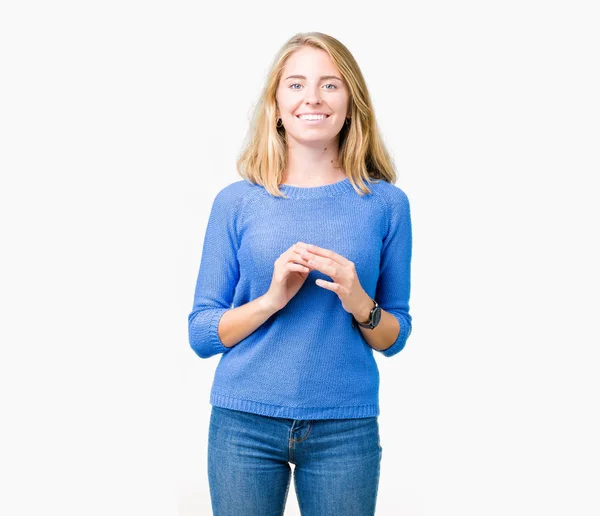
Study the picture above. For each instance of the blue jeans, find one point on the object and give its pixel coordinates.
(336, 464)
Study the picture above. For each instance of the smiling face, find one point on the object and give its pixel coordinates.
(312, 97)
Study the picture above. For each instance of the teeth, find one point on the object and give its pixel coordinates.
(312, 117)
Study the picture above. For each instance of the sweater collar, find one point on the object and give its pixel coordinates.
(316, 192)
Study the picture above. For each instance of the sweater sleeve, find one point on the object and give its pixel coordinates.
(393, 285)
(217, 277)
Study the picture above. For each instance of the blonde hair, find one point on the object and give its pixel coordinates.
(362, 153)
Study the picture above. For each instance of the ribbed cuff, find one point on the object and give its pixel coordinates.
(398, 345)
(215, 341)
(203, 334)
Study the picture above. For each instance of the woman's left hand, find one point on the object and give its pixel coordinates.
(343, 272)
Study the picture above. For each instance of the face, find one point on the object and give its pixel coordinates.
(312, 84)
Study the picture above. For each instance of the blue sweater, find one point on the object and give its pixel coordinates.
(306, 361)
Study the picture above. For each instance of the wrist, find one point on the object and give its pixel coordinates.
(363, 315)
(267, 307)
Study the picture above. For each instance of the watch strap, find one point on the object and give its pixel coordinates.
(369, 323)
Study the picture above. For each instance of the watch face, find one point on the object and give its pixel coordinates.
(376, 316)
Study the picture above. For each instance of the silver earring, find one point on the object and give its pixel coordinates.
(278, 123)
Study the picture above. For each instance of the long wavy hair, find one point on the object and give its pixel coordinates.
(362, 154)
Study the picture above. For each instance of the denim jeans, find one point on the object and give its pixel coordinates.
(336, 464)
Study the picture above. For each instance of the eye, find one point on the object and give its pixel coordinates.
(294, 84)
(334, 86)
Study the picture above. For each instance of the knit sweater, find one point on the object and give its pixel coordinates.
(306, 361)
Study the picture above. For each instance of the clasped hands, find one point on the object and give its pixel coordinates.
(292, 269)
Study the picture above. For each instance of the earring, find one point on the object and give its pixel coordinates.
(278, 123)
(348, 120)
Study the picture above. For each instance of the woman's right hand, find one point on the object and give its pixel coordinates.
(288, 277)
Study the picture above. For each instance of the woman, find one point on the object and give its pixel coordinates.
(305, 271)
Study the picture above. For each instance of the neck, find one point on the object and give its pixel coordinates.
(312, 165)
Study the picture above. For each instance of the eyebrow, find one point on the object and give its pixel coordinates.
(322, 78)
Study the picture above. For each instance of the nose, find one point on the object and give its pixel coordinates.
(313, 96)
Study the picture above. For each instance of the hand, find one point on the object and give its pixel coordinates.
(288, 277)
(343, 272)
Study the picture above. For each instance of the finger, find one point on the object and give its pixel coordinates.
(296, 267)
(324, 265)
(328, 253)
(296, 257)
(317, 263)
(327, 284)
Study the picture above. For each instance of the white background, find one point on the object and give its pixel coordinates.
(120, 121)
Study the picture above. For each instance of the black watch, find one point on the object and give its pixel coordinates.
(374, 318)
